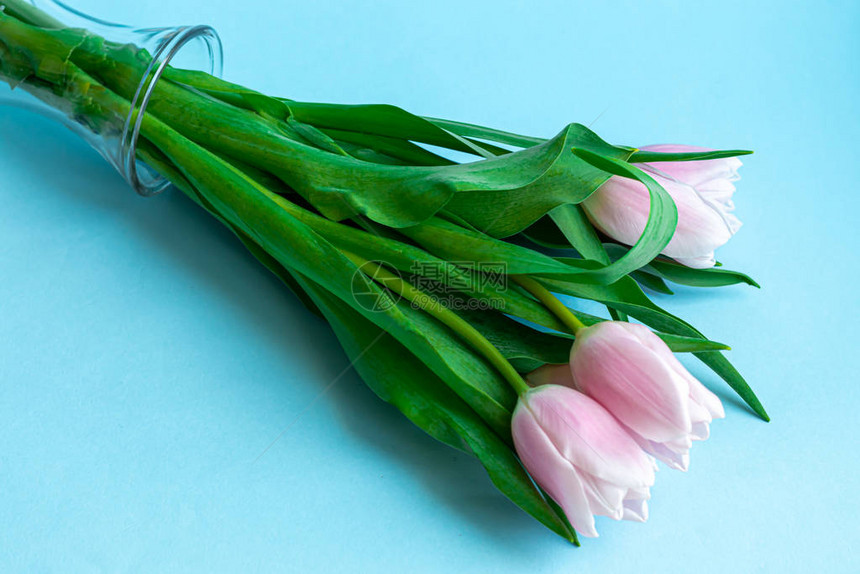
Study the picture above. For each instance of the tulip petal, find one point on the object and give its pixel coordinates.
(635, 509)
(701, 431)
(678, 460)
(696, 172)
(552, 471)
(704, 405)
(702, 225)
(611, 365)
(703, 396)
(605, 499)
(701, 262)
(698, 413)
(589, 436)
(619, 208)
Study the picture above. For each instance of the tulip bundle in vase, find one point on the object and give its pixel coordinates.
(441, 279)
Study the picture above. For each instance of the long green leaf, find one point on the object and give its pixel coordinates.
(581, 235)
(654, 156)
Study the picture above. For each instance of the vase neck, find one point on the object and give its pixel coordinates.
(116, 136)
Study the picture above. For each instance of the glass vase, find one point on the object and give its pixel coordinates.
(188, 47)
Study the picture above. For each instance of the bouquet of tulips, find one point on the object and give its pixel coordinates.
(448, 283)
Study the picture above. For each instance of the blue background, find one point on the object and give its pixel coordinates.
(167, 406)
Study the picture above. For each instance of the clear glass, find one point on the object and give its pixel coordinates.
(187, 47)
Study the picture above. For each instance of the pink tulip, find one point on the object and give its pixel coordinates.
(702, 191)
(633, 374)
(582, 457)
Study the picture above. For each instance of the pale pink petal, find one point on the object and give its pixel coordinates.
(701, 431)
(632, 381)
(587, 435)
(700, 396)
(698, 413)
(552, 471)
(604, 498)
(633, 374)
(676, 459)
(702, 227)
(720, 190)
(695, 172)
(705, 261)
(619, 208)
(635, 509)
(638, 494)
(636, 505)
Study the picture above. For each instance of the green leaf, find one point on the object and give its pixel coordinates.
(314, 136)
(713, 277)
(410, 259)
(405, 151)
(507, 194)
(521, 187)
(491, 134)
(654, 156)
(452, 242)
(382, 120)
(571, 221)
(579, 232)
(721, 365)
(683, 275)
(681, 344)
(652, 282)
(490, 148)
(455, 243)
(227, 92)
(545, 233)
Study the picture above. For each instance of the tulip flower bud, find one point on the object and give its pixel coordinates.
(634, 375)
(702, 191)
(582, 456)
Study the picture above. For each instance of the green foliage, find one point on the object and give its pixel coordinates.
(311, 189)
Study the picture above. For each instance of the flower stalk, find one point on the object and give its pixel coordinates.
(551, 302)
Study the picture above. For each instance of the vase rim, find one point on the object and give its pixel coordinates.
(172, 42)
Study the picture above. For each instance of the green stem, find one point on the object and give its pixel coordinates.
(456, 323)
(552, 303)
